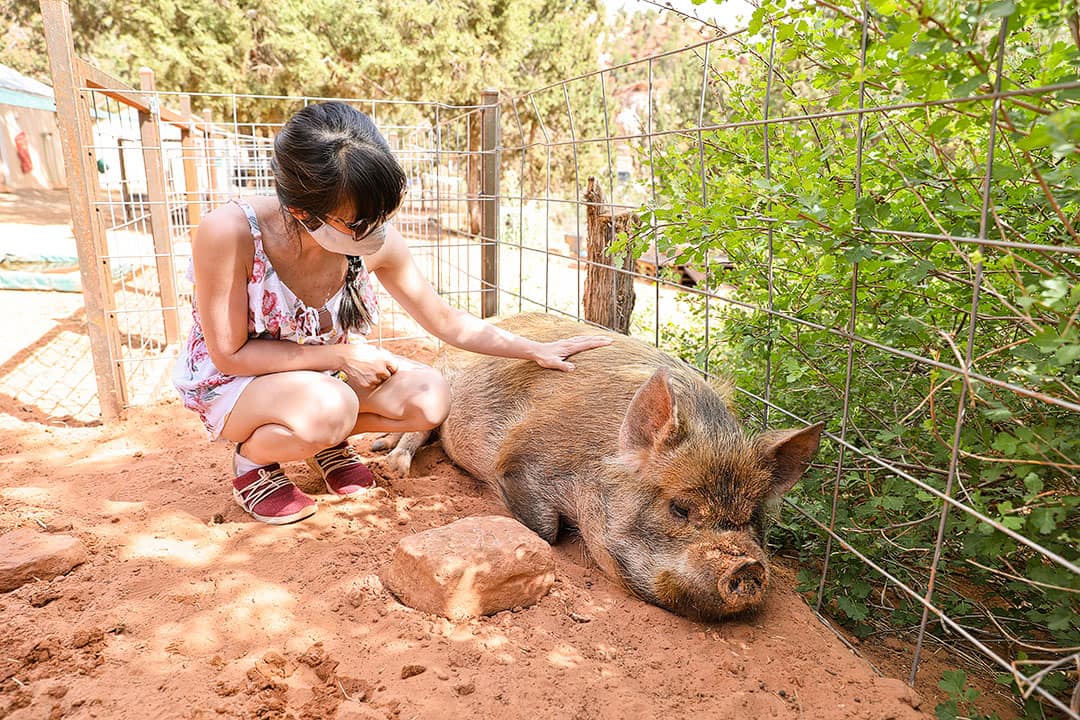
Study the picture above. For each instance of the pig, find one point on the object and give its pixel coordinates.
(635, 450)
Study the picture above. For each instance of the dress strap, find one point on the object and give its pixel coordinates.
(252, 218)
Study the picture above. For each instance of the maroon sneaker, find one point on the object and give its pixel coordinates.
(268, 495)
(344, 473)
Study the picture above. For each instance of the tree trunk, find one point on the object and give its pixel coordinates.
(609, 294)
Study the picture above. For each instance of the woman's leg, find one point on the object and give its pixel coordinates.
(291, 415)
(416, 397)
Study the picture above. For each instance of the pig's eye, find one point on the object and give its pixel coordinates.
(679, 511)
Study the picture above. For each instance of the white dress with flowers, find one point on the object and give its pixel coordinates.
(274, 312)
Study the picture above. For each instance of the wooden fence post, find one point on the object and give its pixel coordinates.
(211, 168)
(157, 196)
(77, 140)
(192, 191)
(609, 293)
(489, 198)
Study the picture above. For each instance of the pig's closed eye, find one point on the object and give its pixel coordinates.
(679, 511)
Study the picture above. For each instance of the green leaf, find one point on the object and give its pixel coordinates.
(946, 711)
(855, 611)
(970, 86)
(1034, 484)
(953, 682)
(1000, 9)
(1044, 520)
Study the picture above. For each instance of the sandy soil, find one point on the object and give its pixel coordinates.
(189, 609)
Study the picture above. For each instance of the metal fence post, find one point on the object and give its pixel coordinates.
(489, 197)
(157, 198)
(77, 141)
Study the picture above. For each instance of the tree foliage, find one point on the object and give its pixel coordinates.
(446, 51)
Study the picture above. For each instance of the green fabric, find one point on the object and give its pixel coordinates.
(60, 274)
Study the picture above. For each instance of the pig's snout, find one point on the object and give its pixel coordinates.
(744, 584)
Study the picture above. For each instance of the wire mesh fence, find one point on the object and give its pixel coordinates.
(156, 172)
(894, 255)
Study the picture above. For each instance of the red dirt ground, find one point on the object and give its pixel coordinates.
(190, 609)
(187, 608)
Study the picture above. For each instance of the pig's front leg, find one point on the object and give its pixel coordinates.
(523, 494)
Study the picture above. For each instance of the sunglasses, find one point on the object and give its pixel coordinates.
(360, 228)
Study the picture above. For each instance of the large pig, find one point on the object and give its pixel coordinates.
(635, 450)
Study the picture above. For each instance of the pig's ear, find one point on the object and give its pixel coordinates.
(788, 454)
(650, 419)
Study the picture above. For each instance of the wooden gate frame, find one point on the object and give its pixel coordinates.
(72, 79)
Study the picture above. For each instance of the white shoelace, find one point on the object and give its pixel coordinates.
(266, 485)
(333, 459)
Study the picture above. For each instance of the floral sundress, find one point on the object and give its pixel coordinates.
(274, 312)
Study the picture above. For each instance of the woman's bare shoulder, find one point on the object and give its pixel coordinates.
(224, 228)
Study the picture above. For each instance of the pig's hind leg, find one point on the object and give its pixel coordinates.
(386, 442)
(401, 457)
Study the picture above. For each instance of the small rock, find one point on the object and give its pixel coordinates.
(412, 671)
(354, 689)
(469, 568)
(44, 597)
(465, 689)
(27, 555)
(43, 651)
(82, 638)
(578, 618)
(894, 643)
(901, 691)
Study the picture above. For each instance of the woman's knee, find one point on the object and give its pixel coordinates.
(425, 398)
(329, 413)
(432, 403)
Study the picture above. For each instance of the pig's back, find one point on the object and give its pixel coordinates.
(500, 406)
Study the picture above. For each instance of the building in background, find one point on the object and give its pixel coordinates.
(30, 154)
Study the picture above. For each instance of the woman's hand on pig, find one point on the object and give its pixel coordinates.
(553, 355)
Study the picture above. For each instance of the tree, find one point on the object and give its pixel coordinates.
(384, 49)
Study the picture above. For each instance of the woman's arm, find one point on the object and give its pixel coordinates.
(223, 254)
(398, 273)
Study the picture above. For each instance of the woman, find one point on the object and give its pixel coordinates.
(280, 282)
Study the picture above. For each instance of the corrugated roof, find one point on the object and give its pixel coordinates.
(11, 79)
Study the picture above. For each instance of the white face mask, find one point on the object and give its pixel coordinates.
(336, 241)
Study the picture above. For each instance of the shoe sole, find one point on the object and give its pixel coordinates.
(334, 493)
(304, 512)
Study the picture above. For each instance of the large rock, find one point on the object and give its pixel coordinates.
(475, 566)
(27, 555)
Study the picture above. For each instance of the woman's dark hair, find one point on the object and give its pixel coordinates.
(331, 154)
